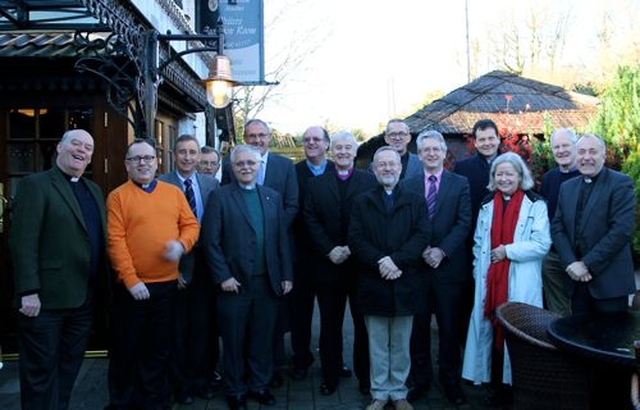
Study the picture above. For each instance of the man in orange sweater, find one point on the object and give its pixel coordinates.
(150, 225)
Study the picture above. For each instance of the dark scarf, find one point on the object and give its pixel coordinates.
(503, 227)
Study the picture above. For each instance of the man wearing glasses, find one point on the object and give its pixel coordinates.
(276, 172)
(209, 161)
(150, 226)
(397, 136)
(245, 241)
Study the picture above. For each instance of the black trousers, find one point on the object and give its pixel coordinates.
(141, 347)
(247, 323)
(443, 299)
(52, 347)
(583, 302)
(301, 303)
(332, 299)
(196, 349)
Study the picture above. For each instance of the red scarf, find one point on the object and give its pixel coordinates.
(503, 227)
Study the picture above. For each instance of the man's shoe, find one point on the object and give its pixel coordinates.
(237, 402)
(364, 386)
(402, 404)
(298, 373)
(205, 393)
(376, 405)
(415, 393)
(345, 372)
(215, 380)
(263, 397)
(327, 389)
(183, 397)
(276, 380)
(455, 396)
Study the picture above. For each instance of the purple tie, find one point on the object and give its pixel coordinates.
(431, 195)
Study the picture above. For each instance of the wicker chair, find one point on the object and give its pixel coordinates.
(542, 376)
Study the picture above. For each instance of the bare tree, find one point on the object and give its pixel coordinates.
(282, 64)
(532, 41)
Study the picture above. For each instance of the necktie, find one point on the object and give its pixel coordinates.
(261, 173)
(188, 192)
(431, 195)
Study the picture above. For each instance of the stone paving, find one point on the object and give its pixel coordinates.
(91, 387)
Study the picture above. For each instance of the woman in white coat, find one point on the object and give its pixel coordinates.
(511, 239)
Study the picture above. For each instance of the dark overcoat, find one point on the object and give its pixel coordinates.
(400, 232)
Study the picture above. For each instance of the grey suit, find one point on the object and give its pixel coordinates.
(206, 184)
(606, 231)
(196, 348)
(247, 319)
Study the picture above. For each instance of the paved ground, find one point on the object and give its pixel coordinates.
(91, 389)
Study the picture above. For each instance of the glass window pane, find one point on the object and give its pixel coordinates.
(81, 118)
(52, 122)
(21, 157)
(22, 123)
(47, 154)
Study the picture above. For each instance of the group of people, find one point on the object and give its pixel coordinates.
(245, 262)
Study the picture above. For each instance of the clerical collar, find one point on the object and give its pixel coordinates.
(589, 180)
(344, 174)
(247, 187)
(147, 187)
(568, 170)
(70, 178)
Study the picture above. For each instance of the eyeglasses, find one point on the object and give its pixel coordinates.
(435, 150)
(260, 136)
(307, 141)
(242, 164)
(209, 163)
(399, 135)
(147, 159)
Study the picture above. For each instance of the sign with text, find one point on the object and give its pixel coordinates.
(244, 35)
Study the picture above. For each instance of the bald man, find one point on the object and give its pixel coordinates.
(57, 243)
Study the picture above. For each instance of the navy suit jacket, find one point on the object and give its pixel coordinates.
(607, 230)
(228, 238)
(206, 184)
(476, 169)
(450, 225)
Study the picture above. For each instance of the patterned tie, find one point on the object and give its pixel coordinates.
(261, 173)
(431, 195)
(188, 192)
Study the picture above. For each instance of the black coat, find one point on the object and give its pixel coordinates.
(476, 169)
(323, 215)
(303, 242)
(607, 230)
(401, 233)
